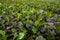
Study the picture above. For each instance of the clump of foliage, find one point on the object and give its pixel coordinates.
(29, 20)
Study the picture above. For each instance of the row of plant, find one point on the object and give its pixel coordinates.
(29, 20)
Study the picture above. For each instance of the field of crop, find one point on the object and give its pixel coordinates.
(29, 19)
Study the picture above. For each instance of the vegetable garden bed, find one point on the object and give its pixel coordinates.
(29, 20)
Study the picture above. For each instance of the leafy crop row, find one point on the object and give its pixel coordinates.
(27, 20)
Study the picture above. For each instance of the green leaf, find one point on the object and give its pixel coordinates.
(58, 19)
(37, 22)
(4, 37)
(58, 28)
(2, 32)
(0, 3)
(44, 38)
(21, 36)
(34, 30)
